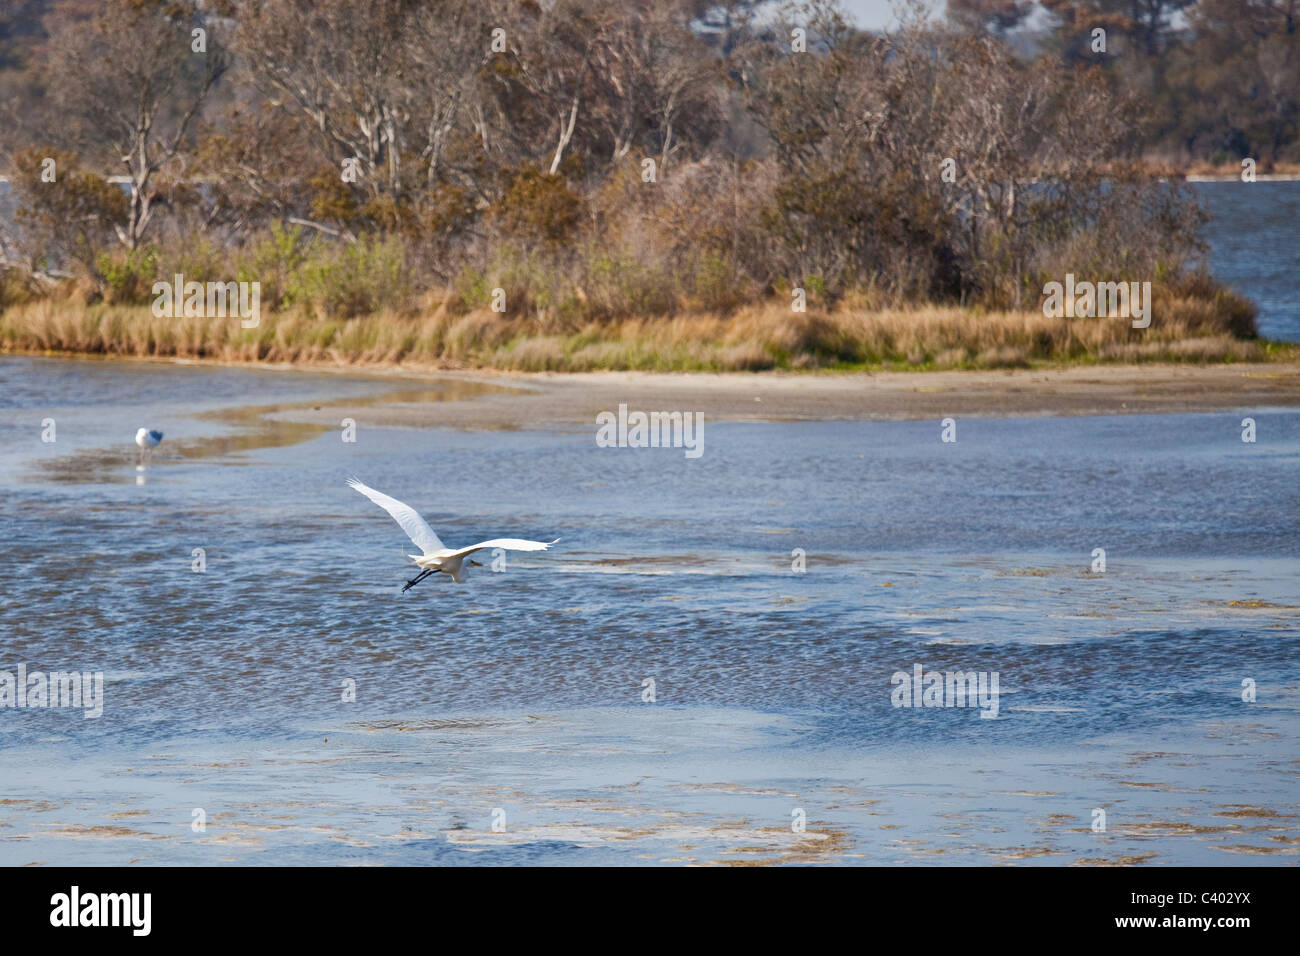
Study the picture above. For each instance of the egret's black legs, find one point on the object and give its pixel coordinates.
(417, 579)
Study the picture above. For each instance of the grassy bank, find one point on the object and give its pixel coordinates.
(751, 339)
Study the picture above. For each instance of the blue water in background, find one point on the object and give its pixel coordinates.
(1254, 237)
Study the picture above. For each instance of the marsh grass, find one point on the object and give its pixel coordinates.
(1186, 327)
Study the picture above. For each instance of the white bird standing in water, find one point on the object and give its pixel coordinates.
(436, 555)
(148, 440)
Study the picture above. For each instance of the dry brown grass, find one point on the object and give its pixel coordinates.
(1170, 165)
(1232, 170)
(754, 338)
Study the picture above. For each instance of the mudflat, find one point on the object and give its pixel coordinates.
(532, 400)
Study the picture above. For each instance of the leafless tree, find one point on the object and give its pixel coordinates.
(129, 83)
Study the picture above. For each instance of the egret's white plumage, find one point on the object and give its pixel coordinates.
(435, 555)
(416, 528)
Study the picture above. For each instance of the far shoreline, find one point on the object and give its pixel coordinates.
(532, 400)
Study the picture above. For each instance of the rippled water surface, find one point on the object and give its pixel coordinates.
(520, 693)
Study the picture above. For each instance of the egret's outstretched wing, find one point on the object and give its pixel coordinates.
(416, 528)
(510, 544)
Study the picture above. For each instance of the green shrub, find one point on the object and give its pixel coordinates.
(129, 275)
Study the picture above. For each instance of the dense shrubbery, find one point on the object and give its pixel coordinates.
(598, 162)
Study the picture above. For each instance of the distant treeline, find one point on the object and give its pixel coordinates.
(582, 161)
(1218, 80)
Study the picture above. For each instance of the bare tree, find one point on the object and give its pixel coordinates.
(650, 77)
(340, 64)
(131, 82)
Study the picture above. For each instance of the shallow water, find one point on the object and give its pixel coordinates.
(522, 691)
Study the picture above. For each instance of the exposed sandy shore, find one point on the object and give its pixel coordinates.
(540, 400)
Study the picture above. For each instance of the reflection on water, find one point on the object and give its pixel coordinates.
(524, 691)
(255, 427)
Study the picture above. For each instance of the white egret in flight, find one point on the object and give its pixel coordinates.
(148, 440)
(436, 555)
